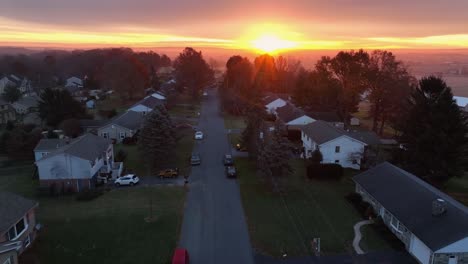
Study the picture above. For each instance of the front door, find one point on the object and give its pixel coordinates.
(453, 260)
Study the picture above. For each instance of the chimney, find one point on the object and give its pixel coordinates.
(438, 207)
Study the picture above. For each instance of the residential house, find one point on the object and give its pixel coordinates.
(146, 105)
(74, 164)
(337, 145)
(7, 112)
(26, 104)
(462, 102)
(159, 96)
(354, 121)
(91, 125)
(23, 84)
(432, 225)
(74, 82)
(273, 102)
(293, 117)
(329, 117)
(18, 227)
(125, 125)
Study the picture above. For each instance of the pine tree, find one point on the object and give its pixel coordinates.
(157, 139)
(433, 132)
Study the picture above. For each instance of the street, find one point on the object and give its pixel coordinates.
(214, 228)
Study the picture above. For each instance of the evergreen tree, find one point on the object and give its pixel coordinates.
(157, 139)
(56, 105)
(433, 132)
(251, 135)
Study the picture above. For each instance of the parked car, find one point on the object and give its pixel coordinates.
(195, 159)
(240, 147)
(169, 173)
(231, 172)
(227, 160)
(129, 179)
(181, 256)
(198, 135)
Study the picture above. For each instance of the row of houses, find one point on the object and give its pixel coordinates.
(324, 131)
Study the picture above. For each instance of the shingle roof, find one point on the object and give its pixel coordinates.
(12, 208)
(410, 199)
(325, 116)
(322, 132)
(272, 97)
(87, 147)
(130, 119)
(28, 101)
(50, 144)
(91, 123)
(289, 112)
(149, 102)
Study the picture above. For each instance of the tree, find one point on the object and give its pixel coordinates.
(266, 74)
(192, 71)
(433, 132)
(350, 70)
(236, 90)
(274, 155)
(19, 143)
(389, 85)
(11, 94)
(56, 105)
(154, 79)
(251, 135)
(316, 157)
(157, 139)
(71, 127)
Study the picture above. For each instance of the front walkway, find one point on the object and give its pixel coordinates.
(358, 235)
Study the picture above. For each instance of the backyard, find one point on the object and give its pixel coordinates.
(109, 229)
(234, 122)
(309, 209)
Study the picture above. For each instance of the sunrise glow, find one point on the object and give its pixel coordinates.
(271, 43)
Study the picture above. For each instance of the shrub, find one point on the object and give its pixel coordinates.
(364, 208)
(89, 195)
(325, 171)
(121, 156)
(354, 198)
(129, 141)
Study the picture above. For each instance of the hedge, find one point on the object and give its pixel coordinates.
(325, 171)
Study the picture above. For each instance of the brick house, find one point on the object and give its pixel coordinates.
(432, 225)
(17, 226)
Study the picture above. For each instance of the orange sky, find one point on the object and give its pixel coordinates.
(242, 24)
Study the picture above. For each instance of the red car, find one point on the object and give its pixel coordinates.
(180, 256)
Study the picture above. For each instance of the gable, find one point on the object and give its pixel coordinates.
(343, 139)
(109, 127)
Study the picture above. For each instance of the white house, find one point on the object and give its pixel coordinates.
(74, 164)
(26, 104)
(74, 82)
(339, 146)
(146, 105)
(158, 96)
(462, 102)
(23, 84)
(122, 126)
(293, 116)
(273, 102)
(432, 225)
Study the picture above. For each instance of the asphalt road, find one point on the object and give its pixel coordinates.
(214, 229)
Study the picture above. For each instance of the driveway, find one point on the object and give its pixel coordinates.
(214, 229)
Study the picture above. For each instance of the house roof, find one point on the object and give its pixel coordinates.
(50, 144)
(272, 97)
(12, 208)
(150, 102)
(87, 147)
(325, 116)
(289, 112)
(409, 199)
(130, 119)
(158, 95)
(461, 101)
(322, 132)
(90, 123)
(74, 81)
(28, 101)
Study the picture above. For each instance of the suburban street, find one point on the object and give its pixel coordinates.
(214, 228)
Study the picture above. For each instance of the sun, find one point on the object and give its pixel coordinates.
(271, 43)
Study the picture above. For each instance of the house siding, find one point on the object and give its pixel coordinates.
(12, 255)
(30, 232)
(349, 150)
(113, 132)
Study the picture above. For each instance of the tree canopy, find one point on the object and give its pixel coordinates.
(56, 105)
(11, 94)
(433, 132)
(192, 71)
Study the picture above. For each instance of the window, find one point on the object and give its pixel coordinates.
(122, 135)
(27, 242)
(9, 260)
(337, 149)
(18, 229)
(105, 135)
(354, 161)
(396, 225)
(337, 161)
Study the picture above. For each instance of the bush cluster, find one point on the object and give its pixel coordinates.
(325, 171)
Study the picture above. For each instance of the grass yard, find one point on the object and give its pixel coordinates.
(185, 111)
(109, 229)
(234, 122)
(458, 188)
(366, 121)
(309, 209)
(234, 139)
(135, 164)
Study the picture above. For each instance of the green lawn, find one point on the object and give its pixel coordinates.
(185, 111)
(366, 121)
(458, 188)
(309, 209)
(109, 229)
(234, 138)
(234, 122)
(133, 163)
